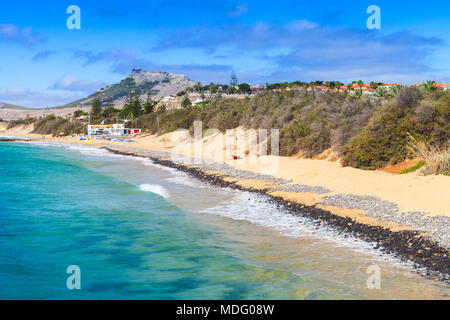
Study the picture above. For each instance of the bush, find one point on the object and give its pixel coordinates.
(79, 113)
(57, 126)
(408, 97)
(308, 121)
(23, 121)
(367, 133)
(381, 142)
(384, 139)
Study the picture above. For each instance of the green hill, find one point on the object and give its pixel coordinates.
(157, 84)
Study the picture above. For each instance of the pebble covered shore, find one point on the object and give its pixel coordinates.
(430, 254)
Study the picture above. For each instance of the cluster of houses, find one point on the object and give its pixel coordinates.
(365, 88)
(445, 86)
(171, 102)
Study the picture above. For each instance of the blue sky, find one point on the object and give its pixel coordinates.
(44, 64)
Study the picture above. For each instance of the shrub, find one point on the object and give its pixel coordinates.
(79, 113)
(408, 97)
(367, 133)
(57, 125)
(22, 121)
(382, 141)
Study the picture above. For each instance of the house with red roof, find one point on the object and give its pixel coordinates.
(444, 86)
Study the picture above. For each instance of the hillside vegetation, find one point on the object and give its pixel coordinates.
(367, 133)
(58, 126)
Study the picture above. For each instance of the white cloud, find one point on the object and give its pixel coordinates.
(240, 9)
(25, 97)
(13, 33)
(72, 83)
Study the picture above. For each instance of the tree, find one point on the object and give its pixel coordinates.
(213, 88)
(393, 91)
(109, 112)
(96, 109)
(428, 85)
(231, 90)
(245, 88)
(198, 87)
(186, 102)
(127, 107)
(360, 83)
(381, 92)
(79, 113)
(233, 79)
(337, 84)
(374, 85)
(149, 105)
(136, 109)
(358, 93)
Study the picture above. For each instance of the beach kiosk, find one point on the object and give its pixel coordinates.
(111, 130)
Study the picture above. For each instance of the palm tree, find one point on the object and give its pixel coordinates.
(374, 85)
(360, 83)
(428, 85)
(358, 93)
(394, 90)
(381, 92)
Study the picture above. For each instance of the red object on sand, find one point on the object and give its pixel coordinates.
(235, 157)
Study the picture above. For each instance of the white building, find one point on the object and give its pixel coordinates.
(116, 130)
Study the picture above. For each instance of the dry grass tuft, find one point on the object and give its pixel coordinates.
(437, 161)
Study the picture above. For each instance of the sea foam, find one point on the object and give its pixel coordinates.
(155, 188)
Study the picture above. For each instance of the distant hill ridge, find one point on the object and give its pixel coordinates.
(4, 105)
(157, 84)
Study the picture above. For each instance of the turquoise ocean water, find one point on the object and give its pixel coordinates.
(140, 231)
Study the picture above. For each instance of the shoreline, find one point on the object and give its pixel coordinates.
(407, 245)
(415, 237)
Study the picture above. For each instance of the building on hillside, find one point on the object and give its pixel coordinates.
(388, 86)
(116, 130)
(197, 101)
(356, 85)
(257, 88)
(170, 102)
(444, 86)
(368, 91)
(323, 88)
